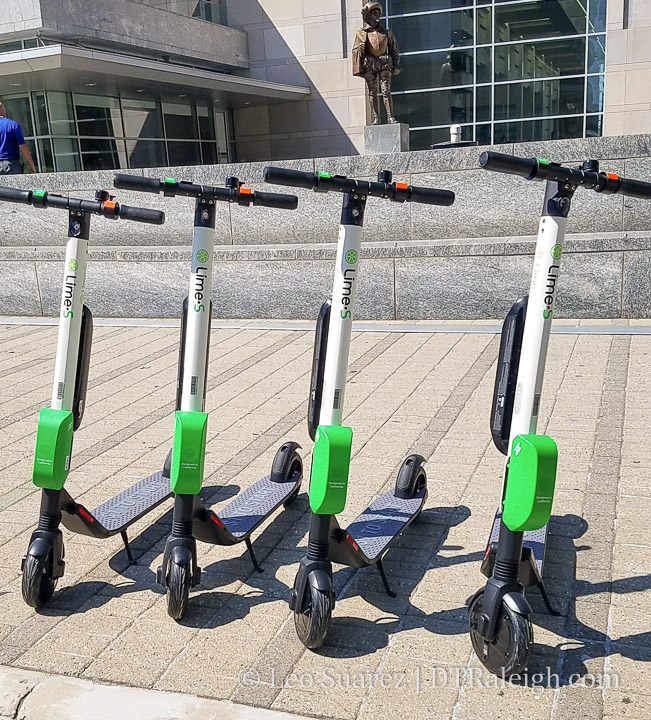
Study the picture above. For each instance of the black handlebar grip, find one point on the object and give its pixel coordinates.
(634, 188)
(275, 200)
(143, 215)
(292, 178)
(499, 162)
(431, 196)
(15, 195)
(137, 183)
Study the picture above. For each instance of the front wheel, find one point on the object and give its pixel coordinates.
(312, 624)
(510, 651)
(38, 584)
(179, 580)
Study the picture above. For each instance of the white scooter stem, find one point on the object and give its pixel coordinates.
(344, 292)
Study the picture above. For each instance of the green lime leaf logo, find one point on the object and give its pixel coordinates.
(351, 257)
(202, 256)
(73, 265)
(557, 251)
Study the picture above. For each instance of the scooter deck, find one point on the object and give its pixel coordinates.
(118, 513)
(534, 541)
(244, 513)
(370, 535)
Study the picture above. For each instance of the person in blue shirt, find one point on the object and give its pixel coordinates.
(12, 145)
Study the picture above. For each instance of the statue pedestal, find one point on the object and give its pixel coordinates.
(380, 139)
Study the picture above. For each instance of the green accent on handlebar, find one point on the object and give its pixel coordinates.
(38, 193)
(330, 464)
(543, 162)
(324, 174)
(169, 181)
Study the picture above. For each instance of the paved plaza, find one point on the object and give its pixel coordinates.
(410, 656)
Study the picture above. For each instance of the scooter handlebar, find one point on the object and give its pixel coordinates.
(510, 164)
(431, 196)
(634, 188)
(275, 200)
(290, 178)
(15, 195)
(137, 183)
(143, 215)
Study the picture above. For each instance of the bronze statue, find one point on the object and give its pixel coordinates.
(376, 56)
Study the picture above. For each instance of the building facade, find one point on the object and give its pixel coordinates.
(147, 83)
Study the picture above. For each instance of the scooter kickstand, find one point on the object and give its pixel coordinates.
(127, 547)
(385, 582)
(249, 547)
(546, 600)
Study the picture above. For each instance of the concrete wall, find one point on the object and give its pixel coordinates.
(627, 106)
(420, 262)
(301, 42)
(129, 25)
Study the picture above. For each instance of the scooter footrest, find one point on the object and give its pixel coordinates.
(134, 502)
(246, 511)
(382, 521)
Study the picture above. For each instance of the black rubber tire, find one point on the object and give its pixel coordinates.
(178, 589)
(510, 652)
(313, 624)
(38, 584)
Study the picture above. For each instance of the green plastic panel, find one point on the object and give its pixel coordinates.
(188, 452)
(530, 484)
(330, 465)
(53, 448)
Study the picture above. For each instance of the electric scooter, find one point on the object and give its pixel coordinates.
(369, 537)
(500, 626)
(192, 519)
(44, 564)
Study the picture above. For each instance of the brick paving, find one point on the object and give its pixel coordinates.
(408, 392)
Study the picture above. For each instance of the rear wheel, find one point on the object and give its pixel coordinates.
(510, 651)
(178, 589)
(312, 624)
(38, 584)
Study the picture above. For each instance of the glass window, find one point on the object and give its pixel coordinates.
(483, 99)
(594, 126)
(180, 121)
(484, 63)
(596, 53)
(184, 153)
(98, 116)
(19, 109)
(222, 137)
(431, 32)
(99, 154)
(206, 122)
(11, 46)
(540, 59)
(46, 158)
(484, 26)
(62, 120)
(146, 153)
(532, 130)
(433, 70)
(30, 43)
(442, 107)
(595, 94)
(40, 113)
(66, 154)
(400, 7)
(597, 21)
(544, 97)
(423, 139)
(142, 119)
(209, 153)
(483, 134)
(546, 18)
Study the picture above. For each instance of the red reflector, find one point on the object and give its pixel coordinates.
(402, 186)
(613, 176)
(216, 520)
(245, 191)
(487, 553)
(352, 542)
(85, 514)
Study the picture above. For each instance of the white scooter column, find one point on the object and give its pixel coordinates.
(344, 291)
(72, 304)
(198, 319)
